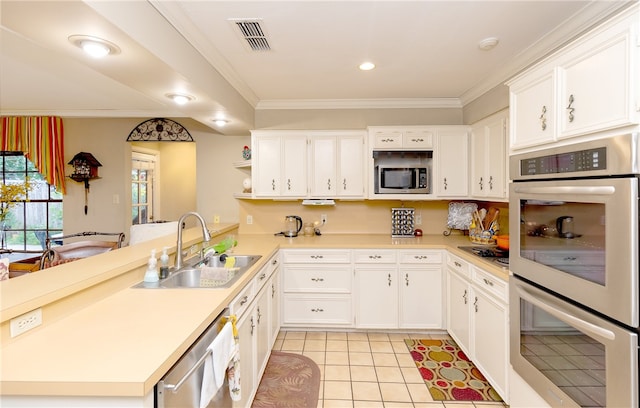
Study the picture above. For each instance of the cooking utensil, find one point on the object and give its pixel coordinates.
(502, 241)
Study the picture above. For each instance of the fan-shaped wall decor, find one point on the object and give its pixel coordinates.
(159, 130)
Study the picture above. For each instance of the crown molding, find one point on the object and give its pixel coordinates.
(385, 103)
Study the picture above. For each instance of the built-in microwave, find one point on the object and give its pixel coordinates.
(392, 179)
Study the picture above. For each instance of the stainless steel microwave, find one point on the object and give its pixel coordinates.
(401, 179)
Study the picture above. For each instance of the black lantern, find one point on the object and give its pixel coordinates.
(85, 168)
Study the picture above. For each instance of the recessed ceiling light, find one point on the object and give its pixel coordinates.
(180, 99)
(367, 66)
(488, 43)
(220, 122)
(94, 46)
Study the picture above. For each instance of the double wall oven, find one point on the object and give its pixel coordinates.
(574, 296)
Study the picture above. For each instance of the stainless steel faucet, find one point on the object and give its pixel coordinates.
(206, 237)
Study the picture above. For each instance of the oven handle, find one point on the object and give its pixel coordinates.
(594, 190)
(587, 327)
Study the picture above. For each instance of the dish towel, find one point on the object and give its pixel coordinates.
(220, 353)
(233, 372)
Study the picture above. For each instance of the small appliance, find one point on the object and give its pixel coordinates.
(402, 180)
(292, 226)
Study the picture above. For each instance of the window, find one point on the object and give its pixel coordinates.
(142, 187)
(30, 221)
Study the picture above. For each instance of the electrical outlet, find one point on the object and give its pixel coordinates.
(26, 322)
(249, 219)
(323, 218)
(216, 219)
(418, 219)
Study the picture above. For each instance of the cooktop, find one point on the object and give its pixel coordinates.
(497, 255)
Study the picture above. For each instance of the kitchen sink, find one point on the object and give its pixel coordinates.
(209, 273)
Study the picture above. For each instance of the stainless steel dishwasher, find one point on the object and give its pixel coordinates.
(180, 387)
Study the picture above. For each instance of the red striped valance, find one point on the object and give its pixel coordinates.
(41, 139)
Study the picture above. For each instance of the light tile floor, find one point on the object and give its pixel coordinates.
(367, 370)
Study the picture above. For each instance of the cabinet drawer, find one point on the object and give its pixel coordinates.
(420, 257)
(490, 283)
(317, 310)
(317, 256)
(374, 256)
(241, 302)
(332, 279)
(387, 140)
(458, 264)
(417, 139)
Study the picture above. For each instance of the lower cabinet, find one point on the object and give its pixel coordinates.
(398, 289)
(255, 307)
(478, 319)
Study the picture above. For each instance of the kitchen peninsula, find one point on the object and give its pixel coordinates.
(103, 340)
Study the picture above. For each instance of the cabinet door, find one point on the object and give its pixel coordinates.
(421, 297)
(452, 172)
(274, 307)
(324, 167)
(496, 158)
(532, 103)
(267, 166)
(595, 85)
(262, 330)
(248, 376)
(458, 310)
(294, 166)
(376, 297)
(351, 175)
(491, 340)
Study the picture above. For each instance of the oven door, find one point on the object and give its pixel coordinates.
(571, 357)
(596, 264)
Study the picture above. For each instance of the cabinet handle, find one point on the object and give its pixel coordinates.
(458, 264)
(480, 183)
(445, 183)
(543, 118)
(274, 262)
(252, 326)
(316, 256)
(259, 315)
(375, 257)
(487, 281)
(389, 279)
(569, 258)
(421, 257)
(273, 184)
(273, 290)
(329, 184)
(387, 140)
(317, 310)
(289, 184)
(264, 275)
(244, 300)
(490, 182)
(570, 108)
(317, 279)
(464, 296)
(418, 140)
(406, 278)
(475, 304)
(344, 184)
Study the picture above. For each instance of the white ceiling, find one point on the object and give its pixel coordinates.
(426, 54)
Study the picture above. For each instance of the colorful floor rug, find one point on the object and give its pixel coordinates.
(289, 381)
(448, 372)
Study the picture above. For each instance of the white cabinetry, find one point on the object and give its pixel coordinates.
(489, 157)
(317, 288)
(589, 86)
(478, 319)
(404, 279)
(337, 164)
(451, 177)
(402, 138)
(279, 164)
(254, 308)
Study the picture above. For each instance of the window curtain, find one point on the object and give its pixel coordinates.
(41, 139)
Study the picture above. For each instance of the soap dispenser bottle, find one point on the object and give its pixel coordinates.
(152, 268)
(164, 264)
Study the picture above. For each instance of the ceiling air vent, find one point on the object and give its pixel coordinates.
(253, 33)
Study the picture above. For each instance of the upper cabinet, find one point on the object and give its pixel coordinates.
(401, 138)
(489, 157)
(451, 177)
(590, 86)
(308, 164)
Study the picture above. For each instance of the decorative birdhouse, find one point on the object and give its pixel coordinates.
(85, 168)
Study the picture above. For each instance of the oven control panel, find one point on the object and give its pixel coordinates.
(570, 162)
